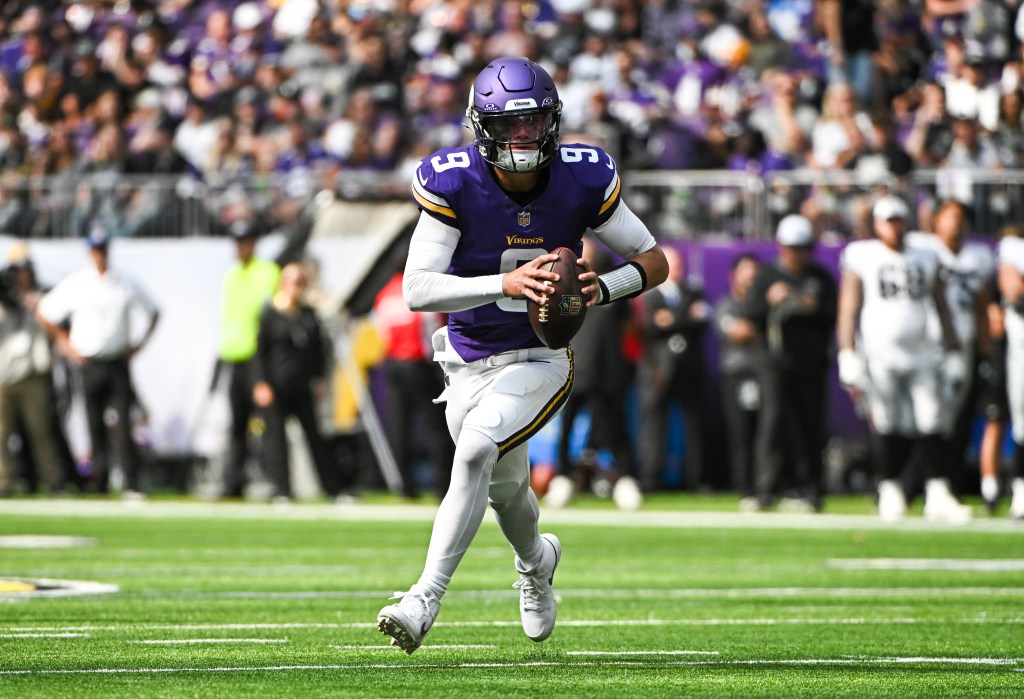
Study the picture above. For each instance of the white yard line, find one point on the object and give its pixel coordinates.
(976, 565)
(642, 652)
(425, 513)
(32, 541)
(44, 635)
(190, 641)
(578, 623)
(411, 665)
(450, 646)
(620, 593)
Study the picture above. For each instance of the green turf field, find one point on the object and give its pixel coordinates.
(680, 599)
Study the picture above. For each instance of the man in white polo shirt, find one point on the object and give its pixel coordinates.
(95, 304)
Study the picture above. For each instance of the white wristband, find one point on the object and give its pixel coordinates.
(623, 282)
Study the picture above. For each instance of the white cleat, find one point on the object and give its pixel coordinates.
(560, 492)
(627, 494)
(408, 620)
(1017, 499)
(536, 598)
(940, 505)
(892, 503)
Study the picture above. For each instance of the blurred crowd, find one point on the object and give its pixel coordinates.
(235, 99)
(303, 91)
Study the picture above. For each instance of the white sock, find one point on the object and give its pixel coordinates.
(435, 582)
(989, 488)
(462, 509)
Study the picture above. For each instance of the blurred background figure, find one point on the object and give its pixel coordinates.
(98, 302)
(247, 287)
(289, 368)
(413, 380)
(601, 380)
(1011, 285)
(992, 400)
(25, 378)
(671, 371)
(792, 301)
(888, 356)
(740, 363)
(967, 270)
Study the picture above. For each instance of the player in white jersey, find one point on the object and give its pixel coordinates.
(966, 270)
(888, 356)
(1011, 285)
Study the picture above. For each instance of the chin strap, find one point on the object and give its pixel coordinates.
(624, 282)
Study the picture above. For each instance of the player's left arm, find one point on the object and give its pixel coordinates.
(983, 338)
(950, 340)
(645, 266)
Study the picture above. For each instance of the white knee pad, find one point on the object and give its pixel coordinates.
(511, 476)
(475, 450)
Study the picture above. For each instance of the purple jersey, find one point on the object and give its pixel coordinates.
(457, 187)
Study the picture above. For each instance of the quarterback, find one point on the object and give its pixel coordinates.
(491, 213)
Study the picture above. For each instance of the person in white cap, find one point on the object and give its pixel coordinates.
(793, 304)
(887, 355)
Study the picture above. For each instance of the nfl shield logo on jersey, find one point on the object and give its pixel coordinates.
(524, 218)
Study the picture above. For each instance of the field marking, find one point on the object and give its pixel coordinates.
(33, 541)
(642, 652)
(616, 593)
(540, 663)
(189, 641)
(977, 565)
(59, 588)
(425, 513)
(449, 646)
(44, 635)
(113, 571)
(577, 623)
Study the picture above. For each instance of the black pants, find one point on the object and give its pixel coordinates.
(655, 402)
(107, 383)
(741, 407)
(609, 429)
(412, 387)
(295, 402)
(791, 433)
(242, 408)
(963, 426)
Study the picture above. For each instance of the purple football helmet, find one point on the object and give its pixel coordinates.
(515, 113)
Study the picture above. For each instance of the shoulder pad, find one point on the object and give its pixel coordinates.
(437, 178)
(594, 170)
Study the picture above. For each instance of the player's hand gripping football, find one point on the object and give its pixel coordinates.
(527, 280)
(588, 278)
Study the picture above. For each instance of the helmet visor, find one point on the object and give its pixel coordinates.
(519, 128)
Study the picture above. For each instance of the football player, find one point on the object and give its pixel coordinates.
(886, 353)
(1011, 285)
(491, 212)
(966, 270)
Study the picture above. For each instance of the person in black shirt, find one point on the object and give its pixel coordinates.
(740, 365)
(793, 303)
(675, 319)
(290, 358)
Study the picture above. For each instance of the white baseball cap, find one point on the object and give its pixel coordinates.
(794, 230)
(889, 207)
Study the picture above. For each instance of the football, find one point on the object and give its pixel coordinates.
(560, 318)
